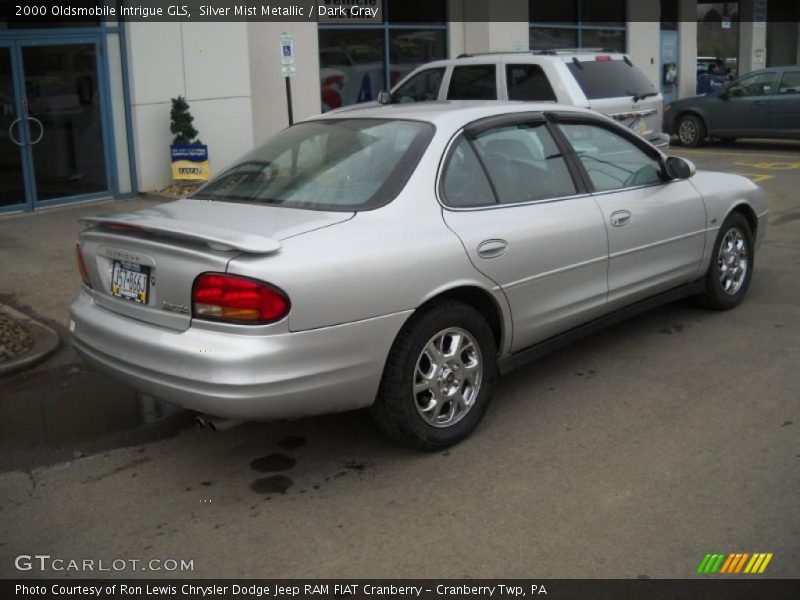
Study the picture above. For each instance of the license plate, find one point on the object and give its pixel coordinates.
(130, 281)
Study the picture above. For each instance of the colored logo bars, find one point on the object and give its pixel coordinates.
(735, 562)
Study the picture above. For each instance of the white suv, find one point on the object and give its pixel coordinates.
(607, 82)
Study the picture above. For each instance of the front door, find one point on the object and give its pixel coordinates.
(743, 109)
(656, 229)
(53, 144)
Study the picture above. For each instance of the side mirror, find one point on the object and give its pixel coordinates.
(384, 97)
(679, 168)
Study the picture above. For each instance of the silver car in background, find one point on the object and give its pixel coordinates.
(398, 257)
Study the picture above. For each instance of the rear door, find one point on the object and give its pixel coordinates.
(656, 229)
(527, 224)
(784, 107)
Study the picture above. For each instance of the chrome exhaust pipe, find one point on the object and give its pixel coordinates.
(215, 424)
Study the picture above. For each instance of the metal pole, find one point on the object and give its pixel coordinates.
(289, 100)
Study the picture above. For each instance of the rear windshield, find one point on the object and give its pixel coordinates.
(610, 79)
(337, 164)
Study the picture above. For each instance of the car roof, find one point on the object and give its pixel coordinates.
(448, 112)
(532, 55)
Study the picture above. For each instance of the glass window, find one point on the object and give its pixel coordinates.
(790, 83)
(761, 84)
(605, 39)
(421, 87)
(602, 12)
(414, 11)
(524, 163)
(553, 12)
(598, 24)
(338, 164)
(552, 38)
(465, 183)
(351, 68)
(610, 79)
(611, 161)
(355, 63)
(473, 82)
(528, 82)
(409, 48)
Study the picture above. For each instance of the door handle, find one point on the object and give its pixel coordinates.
(41, 130)
(492, 248)
(620, 218)
(11, 131)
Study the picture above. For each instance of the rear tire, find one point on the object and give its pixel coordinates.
(691, 131)
(439, 377)
(731, 268)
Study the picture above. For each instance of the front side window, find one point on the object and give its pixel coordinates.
(337, 164)
(421, 87)
(611, 161)
(761, 84)
(473, 82)
(790, 83)
(528, 82)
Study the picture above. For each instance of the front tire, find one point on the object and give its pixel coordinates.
(691, 131)
(731, 268)
(439, 377)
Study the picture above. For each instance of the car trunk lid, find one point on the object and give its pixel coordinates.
(143, 264)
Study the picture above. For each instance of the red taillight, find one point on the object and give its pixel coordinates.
(222, 297)
(603, 57)
(82, 265)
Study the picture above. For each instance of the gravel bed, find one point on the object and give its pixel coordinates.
(14, 338)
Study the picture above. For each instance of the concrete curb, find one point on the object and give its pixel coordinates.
(45, 343)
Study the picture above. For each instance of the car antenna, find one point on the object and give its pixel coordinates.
(577, 62)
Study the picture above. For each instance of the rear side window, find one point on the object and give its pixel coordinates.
(528, 82)
(421, 87)
(465, 183)
(473, 82)
(610, 79)
(790, 83)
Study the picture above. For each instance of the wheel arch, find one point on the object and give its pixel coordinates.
(749, 214)
(481, 300)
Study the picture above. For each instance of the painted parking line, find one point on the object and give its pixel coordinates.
(771, 166)
(755, 154)
(755, 177)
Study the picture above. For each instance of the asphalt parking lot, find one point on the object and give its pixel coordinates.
(631, 454)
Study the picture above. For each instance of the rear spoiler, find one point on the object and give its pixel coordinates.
(214, 237)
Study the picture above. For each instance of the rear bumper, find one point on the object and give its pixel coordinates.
(239, 376)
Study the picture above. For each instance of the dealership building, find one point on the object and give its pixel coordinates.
(86, 104)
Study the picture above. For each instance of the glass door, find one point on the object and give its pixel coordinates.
(63, 105)
(52, 128)
(12, 130)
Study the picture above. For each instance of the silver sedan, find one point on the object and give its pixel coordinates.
(400, 257)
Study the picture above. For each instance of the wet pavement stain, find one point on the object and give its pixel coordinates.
(292, 442)
(786, 423)
(272, 462)
(355, 466)
(274, 484)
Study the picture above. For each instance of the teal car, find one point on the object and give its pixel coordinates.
(761, 104)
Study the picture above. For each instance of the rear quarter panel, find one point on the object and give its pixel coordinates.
(381, 262)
